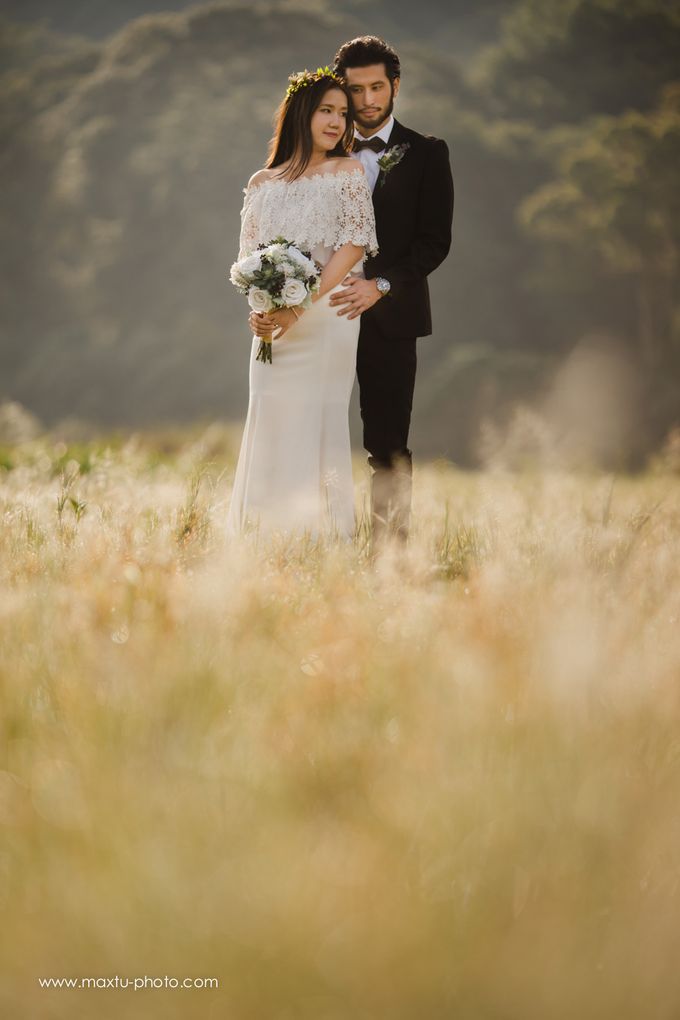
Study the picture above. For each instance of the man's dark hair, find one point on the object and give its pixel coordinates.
(364, 51)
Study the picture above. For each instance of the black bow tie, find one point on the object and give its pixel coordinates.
(376, 144)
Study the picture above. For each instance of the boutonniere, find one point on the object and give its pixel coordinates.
(390, 158)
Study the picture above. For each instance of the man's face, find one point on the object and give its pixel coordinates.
(373, 95)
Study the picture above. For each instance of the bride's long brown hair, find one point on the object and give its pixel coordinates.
(292, 138)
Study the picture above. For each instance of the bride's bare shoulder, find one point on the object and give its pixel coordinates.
(260, 176)
(346, 163)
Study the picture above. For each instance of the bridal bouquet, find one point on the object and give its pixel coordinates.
(276, 275)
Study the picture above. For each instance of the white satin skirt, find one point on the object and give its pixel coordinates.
(294, 471)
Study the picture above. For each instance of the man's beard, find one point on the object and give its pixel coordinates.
(371, 125)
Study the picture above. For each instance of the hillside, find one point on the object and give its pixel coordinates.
(121, 183)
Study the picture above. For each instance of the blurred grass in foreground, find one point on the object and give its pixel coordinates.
(444, 786)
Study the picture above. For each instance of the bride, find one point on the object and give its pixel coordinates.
(294, 472)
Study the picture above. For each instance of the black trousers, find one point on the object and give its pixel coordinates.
(386, 370)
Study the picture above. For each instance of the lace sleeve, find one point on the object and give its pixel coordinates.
(356, 224)
(248, 239)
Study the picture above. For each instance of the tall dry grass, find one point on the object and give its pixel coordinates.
(443, 785)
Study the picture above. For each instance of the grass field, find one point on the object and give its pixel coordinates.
(443, 786)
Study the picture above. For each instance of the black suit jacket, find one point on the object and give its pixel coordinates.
(413, 217)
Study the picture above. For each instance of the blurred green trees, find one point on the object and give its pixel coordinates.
(617, 195)
(123, 162)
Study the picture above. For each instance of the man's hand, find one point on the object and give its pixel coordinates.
(358, 295)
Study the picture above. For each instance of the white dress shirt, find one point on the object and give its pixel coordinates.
(370, 158)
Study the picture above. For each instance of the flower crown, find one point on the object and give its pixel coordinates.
(302, 78)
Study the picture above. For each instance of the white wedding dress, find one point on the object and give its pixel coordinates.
(294, 471)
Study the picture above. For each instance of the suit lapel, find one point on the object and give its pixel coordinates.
(397, 136)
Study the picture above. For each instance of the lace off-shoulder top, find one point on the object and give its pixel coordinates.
(319, 213)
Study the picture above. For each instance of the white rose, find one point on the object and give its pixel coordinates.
(308, 266)
(259, 300)
(250, 265)
(295, 255)
(294, 292)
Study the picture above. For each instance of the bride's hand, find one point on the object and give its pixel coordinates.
(261, 323)
(266, 323)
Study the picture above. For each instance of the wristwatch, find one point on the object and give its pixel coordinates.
(382, 284)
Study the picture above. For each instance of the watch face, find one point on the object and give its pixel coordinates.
(383, 285)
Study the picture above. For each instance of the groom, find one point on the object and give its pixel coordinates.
(412, 186)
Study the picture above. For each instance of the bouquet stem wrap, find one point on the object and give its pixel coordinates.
(264, 351)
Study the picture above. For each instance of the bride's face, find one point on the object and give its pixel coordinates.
(329, 120)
